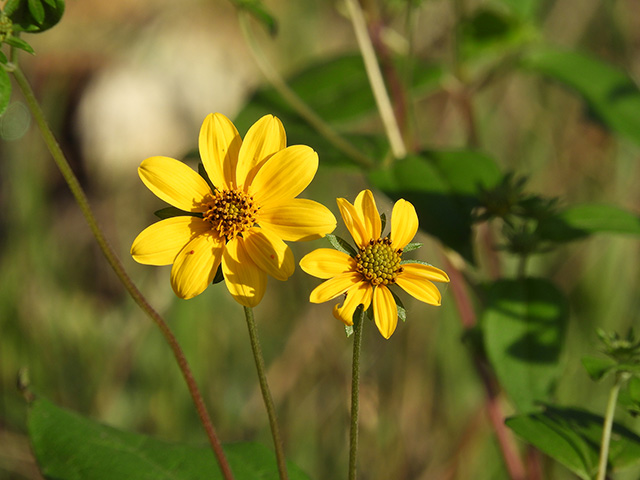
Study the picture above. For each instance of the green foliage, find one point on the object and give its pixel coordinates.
(5, 90)
(34, 16)
(572, 437)
(71, 447)
(526, 9)
(444, 187)
(609, 92)
(257, 10)
(523, 328)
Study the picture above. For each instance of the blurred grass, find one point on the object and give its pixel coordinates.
(88, 348)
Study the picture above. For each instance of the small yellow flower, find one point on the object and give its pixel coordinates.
(365, 277)
(242, 223)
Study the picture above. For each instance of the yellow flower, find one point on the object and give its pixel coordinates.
(242, 223)
(365, 278)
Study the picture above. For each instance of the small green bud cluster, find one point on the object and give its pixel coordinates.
(6, 27)
(378, 262)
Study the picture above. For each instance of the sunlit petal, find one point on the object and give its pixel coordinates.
(366, 207)
(327, 263)
(298, 219)
(334, 287)
(244, 279)
(285, 175)
(269, 253)
(354, 223)
(160, 243)
(174, 182)
(360, 293)
(219, 144)
(264, 138)
(385, 311)
(404, 224)
(418, 287)
(426, 272)
(195, 266)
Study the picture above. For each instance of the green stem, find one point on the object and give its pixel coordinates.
(376, 80)
(266, 393)
(83, 203)
(608, 423)
(355, 397)
(296, 102)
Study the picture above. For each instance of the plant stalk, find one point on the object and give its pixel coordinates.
(266, 393)
(355, 398)
(116, 265)
(608, 424)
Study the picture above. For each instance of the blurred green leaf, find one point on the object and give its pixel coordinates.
(19, 43)
(597, 367)
(257, 10)
(34, 16)
(609, 92)
(583, 220)
(68, 446)
(444, 187)
(3, 59)
(524, 327)
(5, 90)
(572, 437)
(525, 9)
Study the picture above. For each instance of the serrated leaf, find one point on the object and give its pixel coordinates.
(169, 212)
(5, 90)
(19, 43)
(582, 220)
(523, 328)
(412, 246)
(341, 245)
(608, 91)
(444, 187)
(598, 367)
(34, 16)
(572, 437)
(68, 446)
(36, 8)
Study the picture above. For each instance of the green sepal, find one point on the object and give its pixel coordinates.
(383, 219)
(421, 262)
(219, 275)
(169, 212)
(597, 368)
(402, 312)
(203, 173)
(19, 43)
(5, 90)
(412, 246)
(341, 245)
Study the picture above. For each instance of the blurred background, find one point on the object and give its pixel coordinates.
(123, 80)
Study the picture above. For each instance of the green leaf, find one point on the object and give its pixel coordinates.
(5, 90)
(169, 212)
(444, 187)
(19, 43)
(572, 437)
(3, 59)
(523, 328)
(257, 10)
(609, 92)
(68, 446)
(598, 367)
(341, 244)
(34, 16)
(525, 9)
(383, 221)
(411, 246)
(402, 312)
(583, 220)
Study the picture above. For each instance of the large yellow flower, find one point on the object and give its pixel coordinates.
(240, 224)
(365, 277)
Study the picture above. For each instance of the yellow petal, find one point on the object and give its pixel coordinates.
(245, 281)
(353, 222)
(418, 287)
(160, 243)
(385, 311)
(327, 263)
(264, 138)
(426, 272)
(285, 175)
(334, 287)
(195, 266)
(360, 293)
(404, 224)
(366, 206)
(269, 253)
(219, 144)
(298, 219)
(175, 183)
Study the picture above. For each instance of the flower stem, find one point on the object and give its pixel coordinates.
(380, 93)
(608, 423)
(355, 397)
(266, 393)
(116, 265)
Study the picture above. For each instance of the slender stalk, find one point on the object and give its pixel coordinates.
(375, 79)
(296, 102)
(116, 265)
(608, 423)
(266, 393)
(355, 398)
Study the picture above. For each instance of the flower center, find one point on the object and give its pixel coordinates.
(378, 262)
(231, 212)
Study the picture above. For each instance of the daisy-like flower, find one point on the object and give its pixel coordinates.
(242, 222)
(365, 277)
